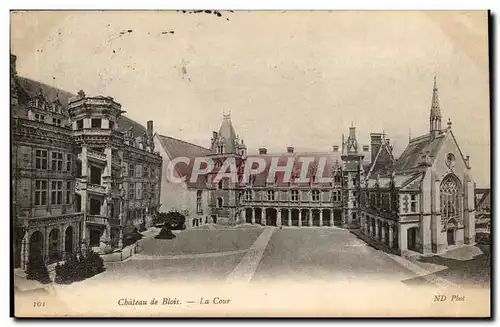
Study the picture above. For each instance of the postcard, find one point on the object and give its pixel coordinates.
(228, 163)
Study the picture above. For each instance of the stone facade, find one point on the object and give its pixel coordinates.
(69, 157)
(424, 201)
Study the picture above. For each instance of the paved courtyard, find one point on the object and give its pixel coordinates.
(253, 255)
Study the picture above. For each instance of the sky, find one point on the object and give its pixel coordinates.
(288, 78)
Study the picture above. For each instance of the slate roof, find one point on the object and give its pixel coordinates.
(176, 148)
(28, 88)
(411, 157)
(330, 159)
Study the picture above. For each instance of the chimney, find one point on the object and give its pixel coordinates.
(262, 151)
(150, 128)
(214, 135)
(376, 142)
(289, 149)
(335, 148)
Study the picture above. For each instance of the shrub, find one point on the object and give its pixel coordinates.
(78, 267)
(165, 234)
(37, 270)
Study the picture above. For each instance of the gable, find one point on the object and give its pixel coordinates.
(442, 166)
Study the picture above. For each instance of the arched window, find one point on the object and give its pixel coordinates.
(450, 199)
(220, 185)
(220, 202)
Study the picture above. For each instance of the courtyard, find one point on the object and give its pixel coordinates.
(256, 254)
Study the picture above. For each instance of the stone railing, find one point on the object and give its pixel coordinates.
(101, 220)
(96, 155)
(96, 188)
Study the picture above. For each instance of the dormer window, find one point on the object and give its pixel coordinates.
(220, 149)
(40, 118)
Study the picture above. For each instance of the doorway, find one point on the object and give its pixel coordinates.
(412, 239)
(450, 235)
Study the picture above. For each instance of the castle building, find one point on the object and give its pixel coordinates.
(422, 202)
(81, 171)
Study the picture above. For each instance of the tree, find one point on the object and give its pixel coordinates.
(175, 220)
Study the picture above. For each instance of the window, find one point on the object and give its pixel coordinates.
(111, 124)
(248, 195)
(68, 162)
(56, 192)
(219, 203)
(366, 148)
(138, 171)
(145, 172)
(335, 196)
(131, 170)
(40, 192)
(57, 121)
(41, 159)
(220, 149)
(315, 195)
(95, 123)
(131, 191)
(57, 161)
(79, 124)
(139, 191)
(294, 195)
(337, 179)
(220, 185)
(413, 203)
(68, 192)
(198, 201)
(40, 118)
(145, 190)
(270, 195)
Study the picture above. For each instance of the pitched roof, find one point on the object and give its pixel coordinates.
(30, 88)
(411, 157)
(176, 148)
(330, 159)
(227, 132)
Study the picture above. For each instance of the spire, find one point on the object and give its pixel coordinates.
(435, 116)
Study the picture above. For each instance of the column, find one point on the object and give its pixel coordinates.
(310, 218)
(253, 216)
(383, 234)
(331, 218)
(376, 230)
(391, 236)
(300, 218)
(244, 216)
(264, 222)
(278, 217)
(321, 217)
(289, 217)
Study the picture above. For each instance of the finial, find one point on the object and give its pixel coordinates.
(435, 87)
(449, 123)
(352, 124)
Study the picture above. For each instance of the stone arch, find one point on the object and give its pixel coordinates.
(54, 245)
(248, 215)
(68, 240)
(412, 238)
(36, 245)
(271, 216)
